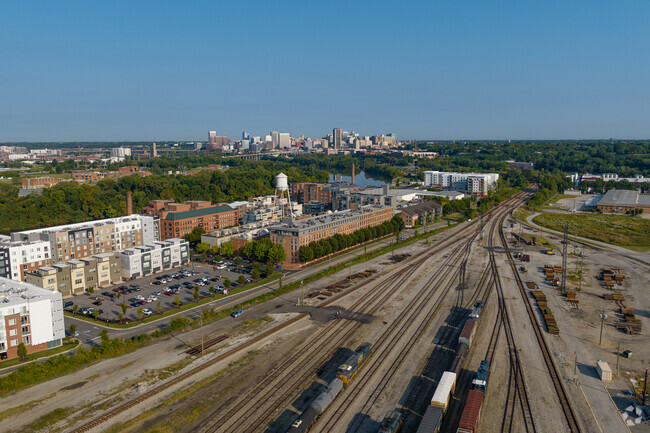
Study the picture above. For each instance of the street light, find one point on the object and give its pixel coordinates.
(603, 317)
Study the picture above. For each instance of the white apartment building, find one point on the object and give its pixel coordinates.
(16, 258)
(29, 315)
(471, 183)
(75, 241)
(154, 257)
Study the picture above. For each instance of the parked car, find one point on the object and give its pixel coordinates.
(97, 303)
(135, 304)
(188, 284)
(109, 294)
(156, 293)
(156, 282)
(206, 293)
(147, 311)
(237, 313)
(152, 298)
(68, 304)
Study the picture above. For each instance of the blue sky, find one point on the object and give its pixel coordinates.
(455, 69)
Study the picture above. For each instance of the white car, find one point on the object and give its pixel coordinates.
(139, 297)
(152, 299)
(147, 311)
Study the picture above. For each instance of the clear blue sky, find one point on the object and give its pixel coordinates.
(453, 69)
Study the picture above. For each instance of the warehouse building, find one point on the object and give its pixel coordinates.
(619, 201)
(29, 315)
(293, 233)
(178, 219)
(427, 211)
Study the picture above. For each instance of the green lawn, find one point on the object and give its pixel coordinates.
(558, 197)
(618, 230)
(48, 352)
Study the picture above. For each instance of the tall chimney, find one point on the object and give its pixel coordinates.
(129, 203)
(154, 151)
(352, 174)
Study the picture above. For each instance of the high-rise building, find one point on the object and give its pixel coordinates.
(284, 140)
(245, 136)
(336, 138)
(275, 139)
(212, 140)
(216, 142)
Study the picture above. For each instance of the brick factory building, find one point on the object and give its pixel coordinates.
(179, 219)
(294, 233)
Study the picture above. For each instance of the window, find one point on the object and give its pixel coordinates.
(26, 340)
(12, 322)
(14, 342)
(13, 332)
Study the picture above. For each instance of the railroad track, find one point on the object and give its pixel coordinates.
(556, 379)
(517, 393)
(392, 337)
(292, 380)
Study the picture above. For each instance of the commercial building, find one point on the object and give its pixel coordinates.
(75, 241)
(427, 211)
(293, 233)
(521, 165)
(284, 140)
(305, 192)
(216, 142)
(336, 138)
(38, 182)
(618, 201)
(471, 183)
(17, 258)
(179, 219)
(154, 257)
(77, 276)
(29, 315)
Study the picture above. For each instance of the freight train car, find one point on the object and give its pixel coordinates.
(319, 405)
(480, 381)
(471, 412)
(467, 334)
(432, 420)
(445, 390)
(348, 369)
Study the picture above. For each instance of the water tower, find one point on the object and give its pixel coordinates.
(282, 192)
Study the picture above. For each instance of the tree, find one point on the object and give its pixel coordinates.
(177, 301)
(120, 317)
(227, 283)
(238, 261)
(202, 248)
(255, 274)
(140, 313)
(227, 249)
(195, 236)
(214, 249)
(196, 292)
(124, 308)
(268, 269)
(103, 335)
(241, 279)
(211, 290)
(22, 351)
(72, 329)
(158, 307)
(95, 314)
(306, 253)
(276, 254)
(91, 290)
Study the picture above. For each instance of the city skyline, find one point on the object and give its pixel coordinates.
(151, 71)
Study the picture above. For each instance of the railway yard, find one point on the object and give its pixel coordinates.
(397, 343)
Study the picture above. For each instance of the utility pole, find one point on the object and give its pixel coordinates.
(302, 292)
(618, 355)
(201, 322)
(602, 316)
(575, 364)
(645, 385)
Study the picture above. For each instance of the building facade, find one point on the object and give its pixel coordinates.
(471, 183)
(75, 241)
(178, 219)
(618, 201)
(17, 258)
(39, 182)
(427, 211)
(294, 233)
(29, 315)
(155, 257)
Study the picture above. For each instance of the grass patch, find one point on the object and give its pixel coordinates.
(558, 197)
(49, 352)
(521, 214)
(539, 240)
(250, 324)
(22, 408)
(618, 230)
(48, 420)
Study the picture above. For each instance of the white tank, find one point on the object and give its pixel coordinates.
(281, 182)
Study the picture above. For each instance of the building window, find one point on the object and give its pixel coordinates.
(13, 332)
(14, 342)
(26, 340)
(12, 322)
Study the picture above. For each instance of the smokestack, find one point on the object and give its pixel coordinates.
(154, 152)
(129, 203)
(352, 174)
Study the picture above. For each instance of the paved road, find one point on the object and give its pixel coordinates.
(88, 332)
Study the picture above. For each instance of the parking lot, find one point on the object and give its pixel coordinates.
(159, 290)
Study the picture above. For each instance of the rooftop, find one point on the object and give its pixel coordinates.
(174, 216)
(335, 217)
(622, 197)
(17, 292)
